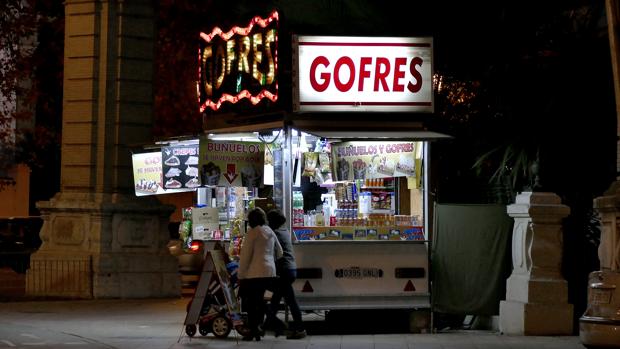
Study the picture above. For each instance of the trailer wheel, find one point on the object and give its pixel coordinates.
(203, 329)
(221, 326)
(190, 330)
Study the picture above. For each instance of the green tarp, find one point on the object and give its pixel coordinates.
(471, 258)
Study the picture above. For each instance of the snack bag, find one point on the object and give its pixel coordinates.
(185, 233)
(324, 162)
(310, 163)
(234, 248)
(185, 228)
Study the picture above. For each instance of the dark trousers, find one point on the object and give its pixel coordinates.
(252, 300)
(283, 288)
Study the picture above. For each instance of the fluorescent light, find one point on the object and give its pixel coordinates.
(240, 136)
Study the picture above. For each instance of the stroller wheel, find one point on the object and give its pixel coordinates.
(243, 330)
(190, 330)
(203, 329)
(221, 326)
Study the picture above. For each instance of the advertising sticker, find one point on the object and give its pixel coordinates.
(205, 220)
(147, 175)
(361, 160)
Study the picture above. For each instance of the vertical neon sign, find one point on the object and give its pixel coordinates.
(241, 63)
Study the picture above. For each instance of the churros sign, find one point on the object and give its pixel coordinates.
(363, 74)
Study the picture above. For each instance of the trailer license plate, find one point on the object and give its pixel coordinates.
(600, 296)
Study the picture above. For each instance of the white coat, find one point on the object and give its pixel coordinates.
(258, 249)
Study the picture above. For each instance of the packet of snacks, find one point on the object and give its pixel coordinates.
(318, 178)
(311, 160)
(234, 248)
(185, 228)
(324, 162)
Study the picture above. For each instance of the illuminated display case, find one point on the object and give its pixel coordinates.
(356, 209)
(366, 190)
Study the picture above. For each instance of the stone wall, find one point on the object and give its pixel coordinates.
(95, 224)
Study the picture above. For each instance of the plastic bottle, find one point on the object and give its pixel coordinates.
(298, 209)
(319, 219)
(327, 211)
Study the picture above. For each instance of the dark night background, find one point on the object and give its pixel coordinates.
(528, 79)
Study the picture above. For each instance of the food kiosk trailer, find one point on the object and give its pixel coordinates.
(357, 205)
(345, 155)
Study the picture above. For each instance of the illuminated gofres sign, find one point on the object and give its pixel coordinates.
(239, 64)
(363, 74)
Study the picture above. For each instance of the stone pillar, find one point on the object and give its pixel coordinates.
(99, 240)
(536, 293)
(608, 206)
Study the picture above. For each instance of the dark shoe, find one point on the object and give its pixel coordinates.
(275, 325)
(251, 338)
(296, 334)
(254, 334)
(277, 332)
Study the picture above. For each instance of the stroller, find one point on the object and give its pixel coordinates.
(220, 310)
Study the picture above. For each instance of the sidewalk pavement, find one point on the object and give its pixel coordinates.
(158, 323)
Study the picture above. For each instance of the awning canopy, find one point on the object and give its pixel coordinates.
(342, 127)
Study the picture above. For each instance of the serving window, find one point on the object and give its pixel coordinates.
(356, 190)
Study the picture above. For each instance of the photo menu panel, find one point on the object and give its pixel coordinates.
(180, 166)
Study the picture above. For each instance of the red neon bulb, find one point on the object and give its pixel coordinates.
(262, 22)
(198, 80)
(234, 99)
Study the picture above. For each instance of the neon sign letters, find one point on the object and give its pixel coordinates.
(239, 64)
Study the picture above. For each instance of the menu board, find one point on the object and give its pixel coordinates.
(232, 164)
(148, 175)
(180, 166)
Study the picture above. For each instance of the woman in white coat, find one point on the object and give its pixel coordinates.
(257, 269)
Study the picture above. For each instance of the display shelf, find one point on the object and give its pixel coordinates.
(359, 227)
(360, 233)
(303, 242)
(331, 184)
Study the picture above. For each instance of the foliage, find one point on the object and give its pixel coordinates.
(544, 94)
(176, 66)
(528, 103)
(514, 163)
(17, 24)
(31, 55)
